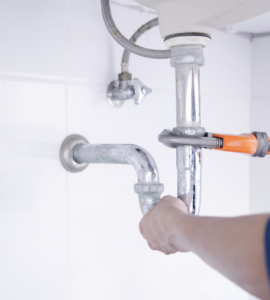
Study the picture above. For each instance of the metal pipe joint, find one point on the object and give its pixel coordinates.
(76, 153)
(187, 54)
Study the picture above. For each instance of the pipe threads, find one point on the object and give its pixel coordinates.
(187, 50)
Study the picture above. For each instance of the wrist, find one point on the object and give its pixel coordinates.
(180, 234)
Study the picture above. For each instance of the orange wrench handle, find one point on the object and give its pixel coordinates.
(244, 143)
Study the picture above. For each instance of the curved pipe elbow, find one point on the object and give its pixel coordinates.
(143, 163)
(148, 187)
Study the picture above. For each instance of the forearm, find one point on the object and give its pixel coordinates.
(232, 246)
(235, 247)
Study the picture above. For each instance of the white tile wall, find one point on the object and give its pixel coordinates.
(33, 37)
(75, 236)
(225, 175)
(260, 87)
(260, 107)
(227, 68)
(33, 192)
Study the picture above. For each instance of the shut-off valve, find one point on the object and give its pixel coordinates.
(121, 90)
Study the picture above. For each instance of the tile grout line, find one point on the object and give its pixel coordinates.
(262, 98)
(147, 102)
(48, 79)
(67, 131)
(250, 125)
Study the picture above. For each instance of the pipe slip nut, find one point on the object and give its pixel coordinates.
(151, 188)
(149, 195)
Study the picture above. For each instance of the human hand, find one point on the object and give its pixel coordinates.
(161, 226)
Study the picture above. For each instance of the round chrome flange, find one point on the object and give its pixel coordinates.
(185, 39)
(67, 150)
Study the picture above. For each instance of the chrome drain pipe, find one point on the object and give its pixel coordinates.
(76, 153)
(187, 59)
(189, 168)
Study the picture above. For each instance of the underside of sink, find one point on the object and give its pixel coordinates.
(203, 16)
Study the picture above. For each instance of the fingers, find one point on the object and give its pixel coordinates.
(141, 228)
(173, 202)
(156, 225)
(145, 221)
(153, 246)
(145, 228)
(164, 250)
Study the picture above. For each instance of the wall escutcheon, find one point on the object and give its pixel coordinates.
(67, 153)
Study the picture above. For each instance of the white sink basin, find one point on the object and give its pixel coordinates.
(203, 16)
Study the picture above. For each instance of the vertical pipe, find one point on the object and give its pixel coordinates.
(189, 158)
(189, 168)
(188, 102)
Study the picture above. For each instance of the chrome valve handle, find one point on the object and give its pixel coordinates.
(120, 91)
(141, 91)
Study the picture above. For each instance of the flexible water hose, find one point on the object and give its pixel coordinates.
(127, 44)
(147, 26)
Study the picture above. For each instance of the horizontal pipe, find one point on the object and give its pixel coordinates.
(133, 155)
